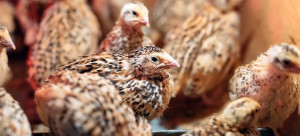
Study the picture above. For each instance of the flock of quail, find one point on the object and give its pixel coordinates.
(117, 87)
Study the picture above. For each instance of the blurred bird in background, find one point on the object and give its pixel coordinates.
(68, 30)
(207, 47)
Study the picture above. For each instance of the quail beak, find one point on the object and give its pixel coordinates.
(170, 63)
(295, 69)
(7, 42)
(259, 109)
(144, 22)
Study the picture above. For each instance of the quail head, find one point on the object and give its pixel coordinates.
(5, 39)
(134, 15)
(127, 34)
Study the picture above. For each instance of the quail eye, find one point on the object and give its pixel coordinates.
(287, 63)
(154, 59)
(134, 13)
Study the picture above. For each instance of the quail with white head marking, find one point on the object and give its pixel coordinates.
(270, 80)
(127, 34)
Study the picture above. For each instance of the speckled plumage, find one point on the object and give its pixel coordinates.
(29, 14)
(143, 84)
(237, 119)
(127, 34)
(206, 46)
(269, 80)
(13, 121)
(167, 14)
(81, 104)
(68, 30)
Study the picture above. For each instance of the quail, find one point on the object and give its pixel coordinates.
(13, 121)
(270, 81)
(140, 77)
(206, 46)
(127, 34)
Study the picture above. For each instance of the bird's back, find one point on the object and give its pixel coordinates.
(206, 46)
(65, 33)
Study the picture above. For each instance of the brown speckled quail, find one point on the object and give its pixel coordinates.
(270, 81)
(68, 30)
(140, 77)
(13, 120)
(206, 46)
(127, 34)
(237, 119)
(80, 104)
(5, 42)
